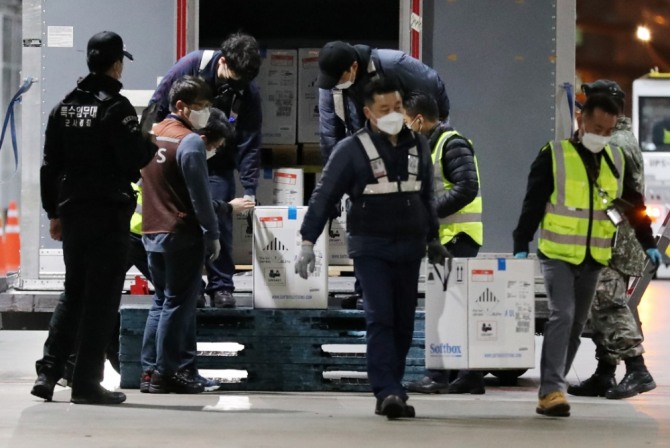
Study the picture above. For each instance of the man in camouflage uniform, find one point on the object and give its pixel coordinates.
(616, 331)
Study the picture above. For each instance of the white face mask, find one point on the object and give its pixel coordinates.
(392, 123)
(346, 84)
(199, 118)
(594, 142)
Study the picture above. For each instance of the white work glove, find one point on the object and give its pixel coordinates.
(212, 249)
(306, 260)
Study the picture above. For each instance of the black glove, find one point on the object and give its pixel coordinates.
(437, 253)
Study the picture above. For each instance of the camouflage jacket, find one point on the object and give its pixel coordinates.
(627, 255)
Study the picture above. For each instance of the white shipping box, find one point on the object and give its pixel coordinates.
(338, 254)
(277, 81)
(308, 95)
(288, 186)
(277, 243)
(242, 222)
(486, 317)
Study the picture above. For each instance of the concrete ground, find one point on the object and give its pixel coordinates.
(504, 416)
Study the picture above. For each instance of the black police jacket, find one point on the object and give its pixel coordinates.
(93, 147)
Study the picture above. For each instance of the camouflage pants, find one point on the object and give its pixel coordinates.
(615, 332)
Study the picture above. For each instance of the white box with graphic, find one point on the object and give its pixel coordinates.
(288, 186)
(338, 254)
(242, 222)
(277, 243)
(277, 81)
(486, 317)
(308, 95)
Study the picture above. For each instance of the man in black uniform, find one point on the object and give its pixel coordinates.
(93, 150)
(387, 172)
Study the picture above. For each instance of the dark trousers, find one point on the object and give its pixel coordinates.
(95, 250)
(460, 246)
(137, 257)
(390, 290)
(220, 271)
(169, 342)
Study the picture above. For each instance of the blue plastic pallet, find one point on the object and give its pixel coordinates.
(282, 348)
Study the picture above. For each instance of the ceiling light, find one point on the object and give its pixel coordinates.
(643, 33)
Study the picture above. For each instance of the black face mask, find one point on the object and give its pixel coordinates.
(236, 84)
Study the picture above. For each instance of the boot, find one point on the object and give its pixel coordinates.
(635, 382)
(596, 386)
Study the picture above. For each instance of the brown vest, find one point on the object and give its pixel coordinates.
(166, 203)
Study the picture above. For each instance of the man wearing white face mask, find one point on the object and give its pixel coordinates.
(179, 229)
(386, 170)
(578, 190)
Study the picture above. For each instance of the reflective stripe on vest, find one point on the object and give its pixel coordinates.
(467, 220)
(136, 219)
(379, 170)
(568, 219)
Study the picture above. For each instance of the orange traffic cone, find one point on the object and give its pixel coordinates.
(3, 253)
(12, 239)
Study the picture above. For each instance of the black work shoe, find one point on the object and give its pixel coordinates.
(178, 383)
(354, 302)
(145, 381)
(44, 387)
(223, 299)
(595, 386)
(467, 384)
(101, 396)
(635, 382)
(394, 407)
(427, 385)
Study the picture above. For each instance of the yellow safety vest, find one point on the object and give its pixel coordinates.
(570, 224)
(136, 219)
(468, 219)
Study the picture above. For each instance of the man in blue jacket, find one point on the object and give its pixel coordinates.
(230, 73)
(345, 71)
(387, 172)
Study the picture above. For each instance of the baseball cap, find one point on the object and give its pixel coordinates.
(603, 86)
(334, 59)
(105, 48)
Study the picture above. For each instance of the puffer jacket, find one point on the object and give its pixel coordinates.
(411, 75)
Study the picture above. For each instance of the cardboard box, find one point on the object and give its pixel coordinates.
(277, 81)
(288, 186)
(242, 223)
(308, 95)
(281, 186)
(338, 254)
(277, 242)
(486, 317)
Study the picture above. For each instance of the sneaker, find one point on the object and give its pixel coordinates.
(44, 387)
(553, 404)
(178, 383)
(427, 385)
(223, 299)
(633, 383)
(145, 381)
(595, 386)
(208, 384)
(101, 396)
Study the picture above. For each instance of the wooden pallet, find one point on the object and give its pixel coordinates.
(283, 349)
